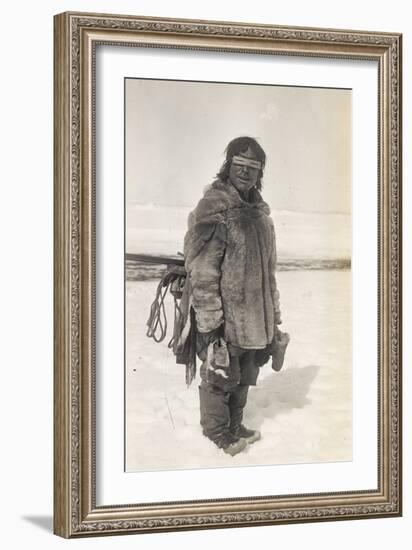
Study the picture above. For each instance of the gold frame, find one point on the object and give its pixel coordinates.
(75, 38)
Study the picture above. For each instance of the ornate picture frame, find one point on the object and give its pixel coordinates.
(77, 511)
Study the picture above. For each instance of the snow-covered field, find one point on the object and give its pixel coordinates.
(300, 235)
(304, 412)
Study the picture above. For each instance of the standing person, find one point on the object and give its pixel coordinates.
(230, 258)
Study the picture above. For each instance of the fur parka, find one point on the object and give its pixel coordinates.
(230, 258)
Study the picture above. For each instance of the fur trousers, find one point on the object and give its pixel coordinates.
(222, 401)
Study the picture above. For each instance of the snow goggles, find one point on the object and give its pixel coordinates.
(243, 161)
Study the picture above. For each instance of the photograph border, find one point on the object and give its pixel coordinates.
(76, 36)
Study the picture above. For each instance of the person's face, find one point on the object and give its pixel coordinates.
(244, 171)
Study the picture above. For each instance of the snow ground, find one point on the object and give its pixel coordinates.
(159, 230)
(304, 412)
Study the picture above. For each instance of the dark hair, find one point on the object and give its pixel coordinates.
(241, 145)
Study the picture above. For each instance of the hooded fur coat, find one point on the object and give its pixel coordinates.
(230, 258)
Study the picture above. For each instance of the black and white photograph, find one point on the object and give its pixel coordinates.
(238, 281)
(204, 275)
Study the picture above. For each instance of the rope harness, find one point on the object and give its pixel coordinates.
(183, 340)
(173, 282)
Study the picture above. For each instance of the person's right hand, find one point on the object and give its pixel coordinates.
(207, 337)
(203, 339)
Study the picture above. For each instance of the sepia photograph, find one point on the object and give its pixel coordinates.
(238, 281)
(227, 339)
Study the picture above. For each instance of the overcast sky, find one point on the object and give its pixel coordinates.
(176, 134)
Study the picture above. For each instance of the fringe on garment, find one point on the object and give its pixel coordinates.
(187, 354)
